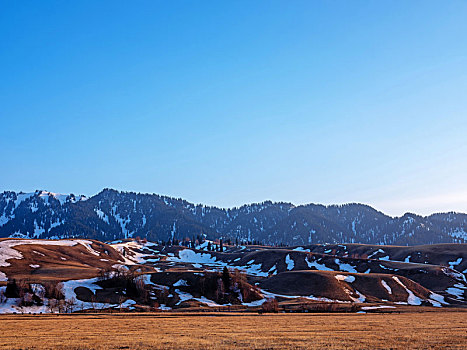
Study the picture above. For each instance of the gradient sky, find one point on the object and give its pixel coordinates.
(229, 102)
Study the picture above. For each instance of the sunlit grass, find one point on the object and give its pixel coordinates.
(432, 330)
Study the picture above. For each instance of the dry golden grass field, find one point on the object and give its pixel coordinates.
(427, 330)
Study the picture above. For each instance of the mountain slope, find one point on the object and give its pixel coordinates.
(113, 215)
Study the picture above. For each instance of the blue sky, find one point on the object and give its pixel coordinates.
(226, 103)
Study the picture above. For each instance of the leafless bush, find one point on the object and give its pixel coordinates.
(39, 290)
(104, 305)
(238, 277)
(329, 307)
(26, 299)
(70, 304)
(105, 274)
(52, 305)
(61, 306)
(54, 290)
(250, 292)
(121, 300)
(3, 297)
(93, 302)
(270, 305)
(220, 291)
(162, 295)
(23, 286)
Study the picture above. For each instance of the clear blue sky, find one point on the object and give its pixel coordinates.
(228, 102)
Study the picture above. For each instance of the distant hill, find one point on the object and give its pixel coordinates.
(111, 215)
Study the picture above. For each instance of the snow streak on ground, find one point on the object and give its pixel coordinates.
(385, 285)
(412, 299)
(377, 307)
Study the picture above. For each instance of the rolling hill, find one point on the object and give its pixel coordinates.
(78, 274)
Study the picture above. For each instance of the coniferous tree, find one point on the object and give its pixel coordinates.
(226, 278)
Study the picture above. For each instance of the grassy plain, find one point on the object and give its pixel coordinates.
(426, 330)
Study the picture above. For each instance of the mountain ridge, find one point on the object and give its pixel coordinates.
(113, 214)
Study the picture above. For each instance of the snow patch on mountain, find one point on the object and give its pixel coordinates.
(459, 233)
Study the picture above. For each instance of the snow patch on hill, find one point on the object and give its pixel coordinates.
(345, 266)
(386, 286)
(289, 262)
(412, 299)
(344, 278)
(317, 265)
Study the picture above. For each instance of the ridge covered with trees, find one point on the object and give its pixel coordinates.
(112, 214)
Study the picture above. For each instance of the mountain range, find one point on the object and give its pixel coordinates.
(111, 215)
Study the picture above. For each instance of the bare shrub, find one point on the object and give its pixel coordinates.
(141, 290)
(238, 276)
(70, 304)
(52, 305)
(3, 297)
(54, 290)
(121, 300)
(270, 305)
(220, 291)
(104, 305)
(250, 292)
(329, 307)
(105, 274)
(39, 290)
(155, 306)
(61, 305)
(93, 302)
(162, 295)
(26, 299)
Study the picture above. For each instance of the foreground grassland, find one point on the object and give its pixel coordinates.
(429, 330)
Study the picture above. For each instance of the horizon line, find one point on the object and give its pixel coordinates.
(244, 204)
